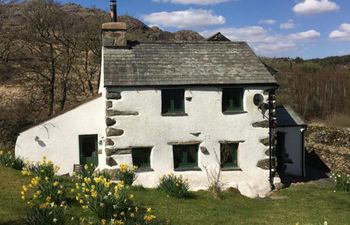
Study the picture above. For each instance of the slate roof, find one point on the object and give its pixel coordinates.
(199, 63)
(286, 117)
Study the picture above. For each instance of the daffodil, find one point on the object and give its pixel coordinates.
(149, 218)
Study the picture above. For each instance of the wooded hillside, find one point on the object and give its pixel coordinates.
(50, 60)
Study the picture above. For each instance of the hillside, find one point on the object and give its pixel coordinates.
(35, 38)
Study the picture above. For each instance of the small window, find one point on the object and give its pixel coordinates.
(173, 101)
(141, 158)
(232, 99)
(88, 149)
(185, 156)
(228, 155)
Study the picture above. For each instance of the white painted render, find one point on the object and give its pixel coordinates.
(58, 138)
(205, 115)
(294, 148)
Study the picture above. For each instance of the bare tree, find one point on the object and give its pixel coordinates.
(49, 40)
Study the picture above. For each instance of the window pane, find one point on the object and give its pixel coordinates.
(173, 101)
(228, 155)
(185, 156)
(88, 145)
(141, 157)
(232, 99)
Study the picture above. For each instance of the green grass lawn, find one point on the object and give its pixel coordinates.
(306, 204)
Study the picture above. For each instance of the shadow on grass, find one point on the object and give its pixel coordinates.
(13, 222)
(316, 170)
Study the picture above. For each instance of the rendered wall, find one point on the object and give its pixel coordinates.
(293, 147)
(58, 138)
(134, 120)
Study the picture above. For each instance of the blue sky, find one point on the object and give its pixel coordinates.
(306, 28)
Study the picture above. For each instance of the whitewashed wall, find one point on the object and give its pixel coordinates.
(205, 115)
(294, 148)
(58, 138)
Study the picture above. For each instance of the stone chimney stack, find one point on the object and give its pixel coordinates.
(114, 33)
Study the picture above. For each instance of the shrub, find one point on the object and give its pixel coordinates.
(341, 181)
(45, 195)
(126, 174)
(174, 186)
(109, 202)
(9, 160)
(214, 182)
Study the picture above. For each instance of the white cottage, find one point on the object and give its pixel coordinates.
(189, 108)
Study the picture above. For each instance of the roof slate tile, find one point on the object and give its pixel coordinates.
(200, 63)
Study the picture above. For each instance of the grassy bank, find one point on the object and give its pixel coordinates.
(306, 204)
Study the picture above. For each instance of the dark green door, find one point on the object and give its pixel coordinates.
(88, 149)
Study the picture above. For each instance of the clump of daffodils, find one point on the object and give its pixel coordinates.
(126, 173)
(109, 202)
(341, 181)
(175, 186)
(44, 195)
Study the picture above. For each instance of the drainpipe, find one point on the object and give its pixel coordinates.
(272, 135)
(303, 172)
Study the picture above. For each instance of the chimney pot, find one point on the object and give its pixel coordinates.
(114, 16)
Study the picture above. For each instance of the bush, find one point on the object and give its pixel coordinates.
(45, 195)
(174, 186)
(126, 174)
(341, 181)
(109, 202)
(9, 160)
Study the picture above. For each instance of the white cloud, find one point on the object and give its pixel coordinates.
(308, 7)
(184, 19)
(267, 21)
(197, 2)
(264, 41)
(342, 33)
(288, 25)
(304, 36)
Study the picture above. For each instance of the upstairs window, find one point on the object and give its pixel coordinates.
(232, 100)
(141, 157)
(229, 156)
(173, 101)
(185, 157)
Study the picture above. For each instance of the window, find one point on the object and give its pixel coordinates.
(232, 100)
(228, 155)
(185, 156)
(141, 158)
(88, 149)
(173, 101)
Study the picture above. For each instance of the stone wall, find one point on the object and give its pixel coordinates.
(331, 145)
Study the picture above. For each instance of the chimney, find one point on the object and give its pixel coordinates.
(114, 33)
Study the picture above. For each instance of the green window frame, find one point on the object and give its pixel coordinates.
(232, 99)
(229, 155)
(173, 101)
(141, 157)
(185, 156)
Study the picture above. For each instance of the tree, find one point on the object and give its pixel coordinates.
(49, 41)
